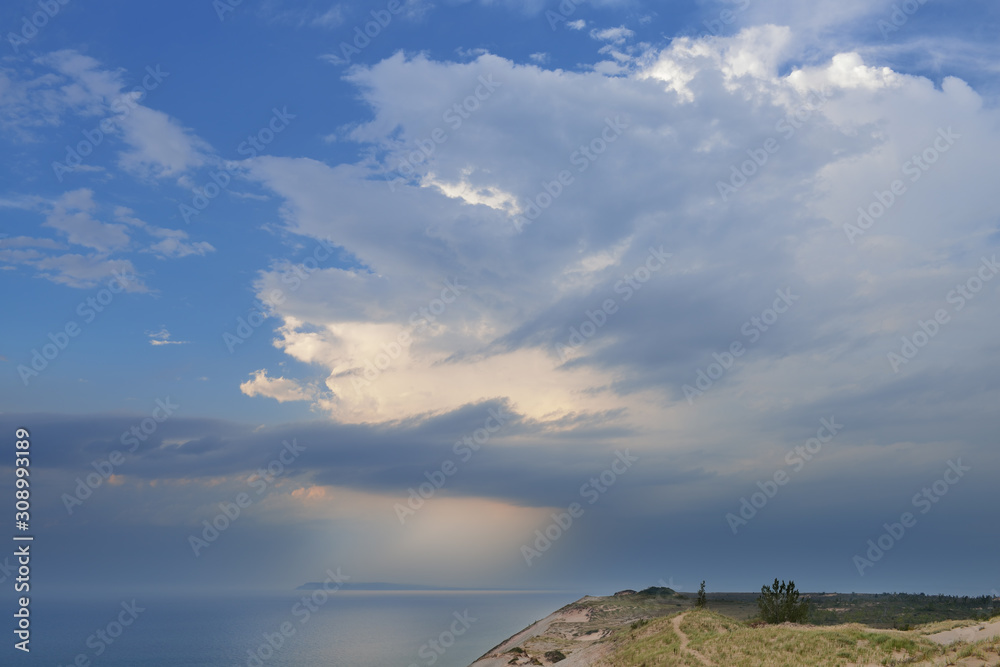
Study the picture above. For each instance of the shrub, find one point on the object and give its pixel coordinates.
(554, 656)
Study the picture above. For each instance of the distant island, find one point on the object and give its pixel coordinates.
(660, 626)
(383, 586)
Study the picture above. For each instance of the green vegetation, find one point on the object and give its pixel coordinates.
(702, 600)
(554, 656)
(878, 610)
(897, 610)
(636, 629)
(780, 603)
(725, 641)
(656, 644)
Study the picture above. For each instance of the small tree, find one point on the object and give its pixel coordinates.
(702, 600)
(780, 602)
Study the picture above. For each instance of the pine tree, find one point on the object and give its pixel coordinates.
(702, 600)
(780, 603)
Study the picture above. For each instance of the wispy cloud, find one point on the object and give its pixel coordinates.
(616, 36)
(162, 337)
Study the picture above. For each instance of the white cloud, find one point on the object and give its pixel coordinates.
(45, 255)
(29, 242)
(71, 215)
(692, 112)
(162, 337)
(78, 89)
(160, 146)
(618, 35)
(487, 196)
(76, 216)
(173, 243)
(331, 18)
(73, 84)
(86, 271)
(89, 85)
(750, 57)
(280, 389)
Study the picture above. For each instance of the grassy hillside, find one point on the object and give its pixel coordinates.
(698, 638)
(878, 610)
(658, 626)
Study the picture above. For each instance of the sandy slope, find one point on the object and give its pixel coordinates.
(969, 633)
(556, 629)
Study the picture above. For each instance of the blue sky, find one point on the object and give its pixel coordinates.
(690, 231)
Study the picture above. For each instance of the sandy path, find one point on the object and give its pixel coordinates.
(685, 641)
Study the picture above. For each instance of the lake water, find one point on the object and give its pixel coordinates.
(355, 629)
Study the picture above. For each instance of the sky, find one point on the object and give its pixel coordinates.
(504, 294)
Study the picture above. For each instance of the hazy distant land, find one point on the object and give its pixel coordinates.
(384, 586)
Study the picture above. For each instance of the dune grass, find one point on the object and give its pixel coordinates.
(651, 643)
(729, 642)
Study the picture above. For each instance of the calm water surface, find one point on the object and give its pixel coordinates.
(355, 629)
